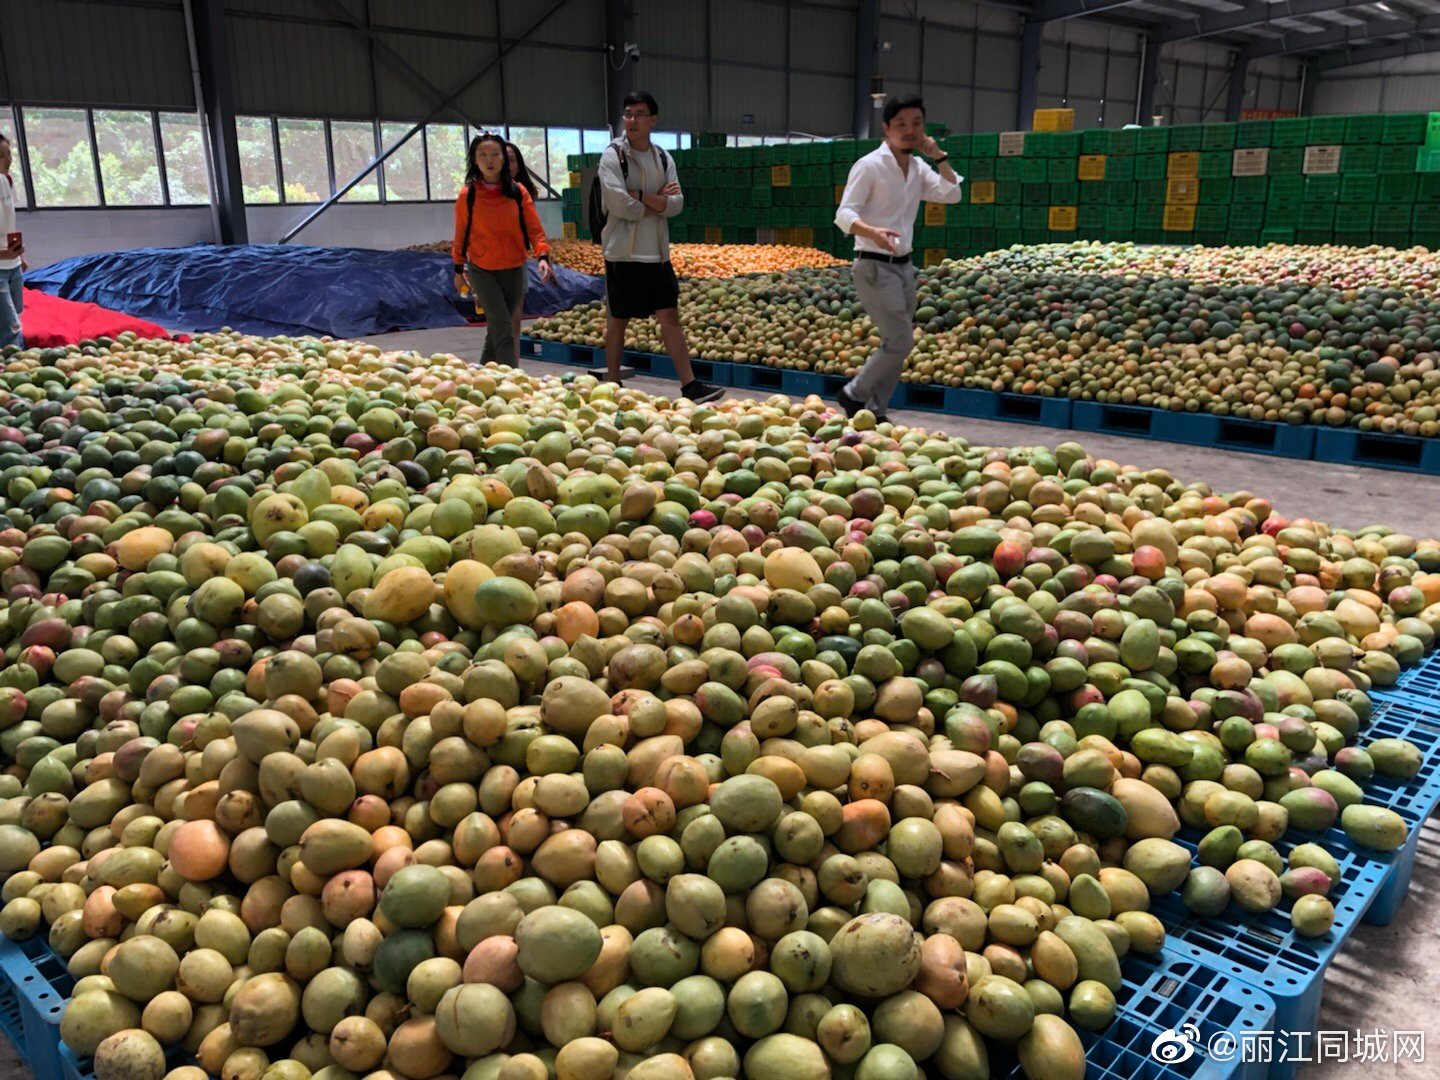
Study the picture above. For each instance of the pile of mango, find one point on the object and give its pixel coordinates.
(367, 712)
(1293, 336)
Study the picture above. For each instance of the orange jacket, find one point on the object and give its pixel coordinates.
(496, 242)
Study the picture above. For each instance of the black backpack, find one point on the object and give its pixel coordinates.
(597, 216)
(470, 218)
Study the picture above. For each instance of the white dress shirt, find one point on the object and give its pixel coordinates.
(7, 218)
(879, 194)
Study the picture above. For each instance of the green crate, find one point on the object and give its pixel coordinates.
(1249, 216)
(1211, 218)
(1326, 131)
(1011, 169)
(1427, 186)
(1204, 238)
(1150, 166)
(1314, 236)
(1120, 192)
(1353, 237)
(1062, 170)
(1396, 159)
(1359, 158)
(956, 239)
(1286, 160)
(983, 168)
(1035, 194)
(1186, 137)
(1430, 240)
(1392, 216)
(984, 239)
(1066, 194)
(1294, 131)
(1035, 236)
(1403, 129)
(957, 145)
(1151, 191)
(985, 215)
(1149, 215)
(1154, 236)
(1396, 238)
(1095, 141)
(1033, 170)
(1282, 214)
(1322, 188)
(1091, 218)
(1039, 144)
(1120, 218)
(1358, 188)
(1317, 215)
(1216, 190)
(1219, 137)
(1277, 236)
(1005, 217)
(1355, 217)
(1214, 163)
(1124, 141)
(1427, 159)
(1249, 189)
(1397, 188)
(1364, 129)
(1092, 194)
(1119, 168)
(1250, 133)
(985, 144)
(1065, 144)
(1035, 217)
(1152, 140)
(1287, 188)
(1007, 191)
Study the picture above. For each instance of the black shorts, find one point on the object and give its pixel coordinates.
(637, 290)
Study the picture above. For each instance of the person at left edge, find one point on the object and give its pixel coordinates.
(495, 227)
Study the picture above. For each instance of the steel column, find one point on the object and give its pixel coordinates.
(617, 69)
(1235, 100)
(867, 27)
(1149, 76)
(215, 98)
(1029, 91)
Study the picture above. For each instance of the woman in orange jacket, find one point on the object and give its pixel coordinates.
(495, 227)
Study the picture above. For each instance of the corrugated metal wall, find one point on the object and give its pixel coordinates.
(1408, 85)
(744, 66)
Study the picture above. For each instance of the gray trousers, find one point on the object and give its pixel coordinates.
(887, 293)
(500, 293)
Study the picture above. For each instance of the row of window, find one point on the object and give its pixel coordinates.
(130, 157)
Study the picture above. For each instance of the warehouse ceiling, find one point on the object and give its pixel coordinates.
(1273, 28)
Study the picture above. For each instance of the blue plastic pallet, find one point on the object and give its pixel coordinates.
(802, 383)
(556, 352)
(1233, 433)
(1162, 994)
(757, 377)
(41, 985)
(1421, 680)
(1369, 449)
(1263, 950)
(1402, 715)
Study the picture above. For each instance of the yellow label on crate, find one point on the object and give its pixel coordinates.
(714, 234)
(574, 178)
(1182, 191)
(779, 175)
(934, 213)
(935, 256)
(982, 191)
(1092, 167)
(1063, 218)
(1184, 163)
(802, 237)
(1179, 218)
(570, 230)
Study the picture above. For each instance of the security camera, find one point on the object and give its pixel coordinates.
(632, 51)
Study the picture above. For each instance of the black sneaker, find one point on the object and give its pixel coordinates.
(700, 392)
(848, 403)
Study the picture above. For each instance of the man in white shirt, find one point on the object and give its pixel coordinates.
(881, 199)
(12, 280)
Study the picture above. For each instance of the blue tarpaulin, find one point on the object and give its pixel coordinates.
(286, 289)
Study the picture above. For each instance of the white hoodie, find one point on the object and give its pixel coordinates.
(631, 234)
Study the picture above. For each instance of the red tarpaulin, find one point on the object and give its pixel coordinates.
(48, 322)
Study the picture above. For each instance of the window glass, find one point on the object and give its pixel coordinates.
(531, 141)
(405, 168)
(61, 164)
(596, 140)
(183, 142)
(353, 144)
(748, 140)
(302, 160)
(446, 148)
(669, 140)
(129, 164)
(257, 159)
(685, 140)
(563, 143)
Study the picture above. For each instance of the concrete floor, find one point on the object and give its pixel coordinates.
(1387, 977)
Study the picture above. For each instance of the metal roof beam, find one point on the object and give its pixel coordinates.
(1369, 54)
(1341, 37)
(1251, 15)
(1047, 11)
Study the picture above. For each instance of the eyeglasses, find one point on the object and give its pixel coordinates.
(628, 115)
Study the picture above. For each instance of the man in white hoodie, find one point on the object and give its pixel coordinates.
(641, 192)
(12, 280)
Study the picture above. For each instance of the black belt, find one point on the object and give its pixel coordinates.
(895, 259)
